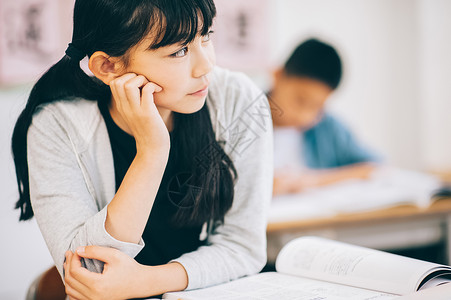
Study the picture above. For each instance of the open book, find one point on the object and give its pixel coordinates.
(387, 187)
(312, 268)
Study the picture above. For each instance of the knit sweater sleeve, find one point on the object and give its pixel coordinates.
(65, 209)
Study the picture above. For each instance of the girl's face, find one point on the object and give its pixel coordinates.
(181, 71)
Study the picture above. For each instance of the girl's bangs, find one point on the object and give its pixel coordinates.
(180, 23)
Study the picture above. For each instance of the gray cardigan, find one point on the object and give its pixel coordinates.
(72, 181)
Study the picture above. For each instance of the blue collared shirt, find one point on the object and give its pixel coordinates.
(331, 144)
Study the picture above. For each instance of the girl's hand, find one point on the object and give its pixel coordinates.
(133, 101)
(120, 278)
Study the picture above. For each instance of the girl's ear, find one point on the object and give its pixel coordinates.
(105, 67)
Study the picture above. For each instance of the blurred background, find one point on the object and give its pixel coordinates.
(395, 93)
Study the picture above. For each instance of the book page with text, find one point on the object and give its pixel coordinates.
(342, 263)
(271, 286)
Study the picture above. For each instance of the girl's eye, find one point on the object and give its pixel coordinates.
(206, 37)
(181, 53)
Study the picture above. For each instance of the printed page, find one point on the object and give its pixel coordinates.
(272, 286)
(342, 263)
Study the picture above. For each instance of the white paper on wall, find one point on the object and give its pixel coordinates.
(241, 35)
(31, 38)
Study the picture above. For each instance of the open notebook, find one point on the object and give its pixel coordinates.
(388, 187)
(312, 268)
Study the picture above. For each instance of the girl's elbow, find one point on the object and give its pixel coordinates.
(258, 261)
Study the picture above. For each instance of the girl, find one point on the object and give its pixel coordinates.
(155, 174)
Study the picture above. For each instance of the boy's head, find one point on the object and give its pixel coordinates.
(301, 88)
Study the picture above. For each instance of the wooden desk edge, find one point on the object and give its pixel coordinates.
(439, 207)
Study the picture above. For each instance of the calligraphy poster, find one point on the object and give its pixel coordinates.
(241, 35)
(31, 33)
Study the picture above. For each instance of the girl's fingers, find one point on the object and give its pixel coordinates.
(72, 276)
(73, 294)
(68, 260)
(117, 87)
(147, 93)
(69, 282)
(133, 90)
(77, 288)
(105, 254)
(83, 276)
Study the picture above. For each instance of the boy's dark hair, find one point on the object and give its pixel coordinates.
(316, 60)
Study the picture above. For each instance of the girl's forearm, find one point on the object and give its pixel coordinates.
(157, 280)
(129, 210)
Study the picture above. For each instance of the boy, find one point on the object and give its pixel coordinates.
(312, 148)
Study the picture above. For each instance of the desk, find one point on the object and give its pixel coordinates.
(393, 228)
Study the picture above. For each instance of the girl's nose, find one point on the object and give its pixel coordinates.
(203, 63)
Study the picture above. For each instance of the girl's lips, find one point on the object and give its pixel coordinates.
(200, 93)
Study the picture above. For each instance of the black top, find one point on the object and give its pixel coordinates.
(164, 240)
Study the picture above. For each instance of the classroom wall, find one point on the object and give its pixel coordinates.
(395, 95)
(435, 78)
(23, 252)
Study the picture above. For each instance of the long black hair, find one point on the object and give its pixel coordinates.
(114, 26)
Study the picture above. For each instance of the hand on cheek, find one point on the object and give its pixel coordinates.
(133, 97)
